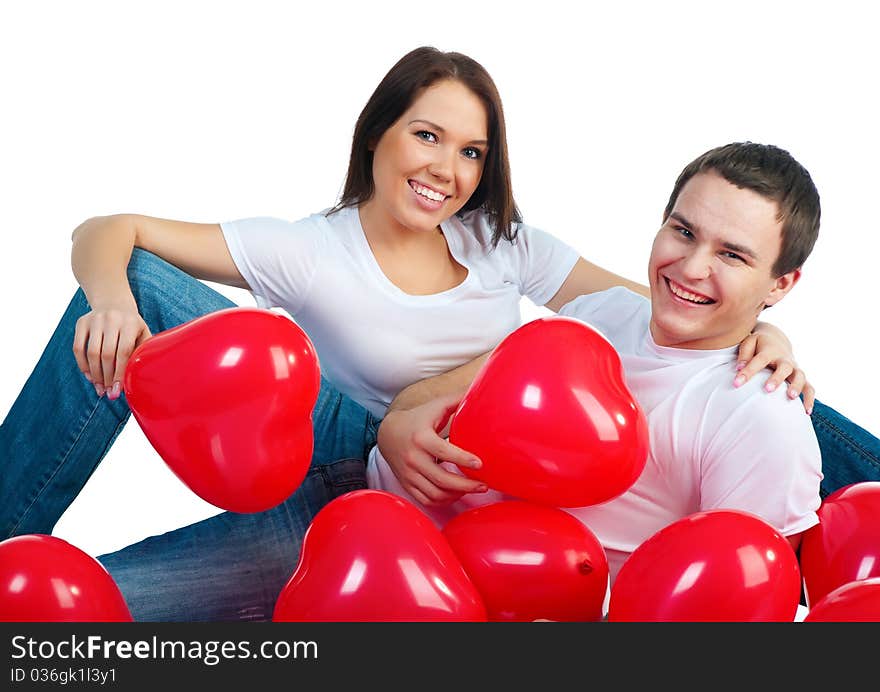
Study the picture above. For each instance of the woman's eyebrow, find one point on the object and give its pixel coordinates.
(440, 129)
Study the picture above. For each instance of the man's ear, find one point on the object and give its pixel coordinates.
(782, 286)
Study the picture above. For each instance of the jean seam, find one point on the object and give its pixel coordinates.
(62, 462)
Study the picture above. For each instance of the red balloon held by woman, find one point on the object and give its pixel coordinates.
(712, 566)
(551, 418)
(226, 400)
(370, 556)
(531, 562)
(845, 545)
(46, 579)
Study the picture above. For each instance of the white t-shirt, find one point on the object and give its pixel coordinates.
(373, 339)
(712, 445)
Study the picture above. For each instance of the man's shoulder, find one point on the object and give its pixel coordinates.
(617, 303)
(750, 407)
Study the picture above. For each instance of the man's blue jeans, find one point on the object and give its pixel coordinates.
(230, 566)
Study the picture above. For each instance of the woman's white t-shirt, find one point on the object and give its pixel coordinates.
(373, 339)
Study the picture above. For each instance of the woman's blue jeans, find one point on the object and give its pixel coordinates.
(230, 566)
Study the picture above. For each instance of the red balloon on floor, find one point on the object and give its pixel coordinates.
(531, 562)
(370, 556)
(717, 565)
(46, 579)
(226, 400)
(845, 545)
(856, 601)
(551, 418)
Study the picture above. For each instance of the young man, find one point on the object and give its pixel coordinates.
(740, 222)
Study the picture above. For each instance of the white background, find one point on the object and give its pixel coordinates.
(207, 111)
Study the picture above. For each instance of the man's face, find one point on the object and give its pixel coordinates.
(710, 267)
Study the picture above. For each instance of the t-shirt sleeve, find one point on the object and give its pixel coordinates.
(543, 263)
(277, 258)
(765, 459)
(609, 311)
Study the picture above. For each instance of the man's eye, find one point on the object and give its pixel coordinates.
(426, 135)
(472, 153)
(733, 255)
(684, 232)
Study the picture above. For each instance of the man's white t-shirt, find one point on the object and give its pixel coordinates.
(712, 445)
(373, 339)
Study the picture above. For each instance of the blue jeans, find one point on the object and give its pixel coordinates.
(849, 453)
(228, 567)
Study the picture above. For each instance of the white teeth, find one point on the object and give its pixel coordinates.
(687, 295)
(427, 192)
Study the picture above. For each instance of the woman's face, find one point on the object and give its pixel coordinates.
(429, 162)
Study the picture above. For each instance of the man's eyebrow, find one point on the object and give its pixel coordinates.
(441, 130)
(733, 247)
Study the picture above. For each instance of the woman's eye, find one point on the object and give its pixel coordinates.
(472, 153)
(426, 136)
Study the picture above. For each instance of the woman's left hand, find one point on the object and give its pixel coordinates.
(768, 347)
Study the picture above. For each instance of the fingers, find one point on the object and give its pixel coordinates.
(80, 339)
(93, 355)
(130, 337)
(746, 351)
(102, 345)
(752, 366)
(108, 357)
(784, 370)
(796, 382)
(438, 486)
(809, 398)
(437, 447)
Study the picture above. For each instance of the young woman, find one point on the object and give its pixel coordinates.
(426, 232)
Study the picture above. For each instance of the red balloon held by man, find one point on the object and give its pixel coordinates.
(531, 562)
(371, 556)
(712, 566)
(46, 579)
(226, 400)
(551, 418)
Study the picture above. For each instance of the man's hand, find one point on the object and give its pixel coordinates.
(412, 442)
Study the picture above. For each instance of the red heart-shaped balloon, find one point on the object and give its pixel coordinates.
(551, 418)
(226, 400)
(370, 556)
(855, 601)
(715, 565)
(46, 579)
(531, 562)
(845, 545)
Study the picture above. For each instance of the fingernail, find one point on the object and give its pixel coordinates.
(476, 463)
(738, 380)
(809, 412)
(87, 376)
(482, 489)
(99, 390)
(770, 386)
(740, 365)
(792, 395)
(115, 391)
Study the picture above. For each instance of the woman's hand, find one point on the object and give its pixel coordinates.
(104, 341)
(768, 347)
(411, 442)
